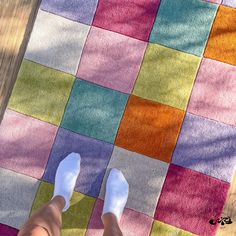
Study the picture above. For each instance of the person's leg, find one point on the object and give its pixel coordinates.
(117, 190)
(47, 220)
(111, 225)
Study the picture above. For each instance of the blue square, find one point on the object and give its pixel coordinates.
(94, 111)
(184, 25)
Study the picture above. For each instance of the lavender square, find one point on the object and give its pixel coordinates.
(207, 146)
(78, 10)
(95, 156)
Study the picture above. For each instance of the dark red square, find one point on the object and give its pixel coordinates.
(189, 200)
(132, 18)
(6, 230)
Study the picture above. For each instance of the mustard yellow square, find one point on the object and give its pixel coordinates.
(75, 220)
(159, 228)
(167, 76)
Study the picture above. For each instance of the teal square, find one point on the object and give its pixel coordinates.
(184, 25)
(94, 111)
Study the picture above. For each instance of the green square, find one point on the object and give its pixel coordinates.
(94, 111)
(41, 92)
(167, 76)
(160, 228)
(75, 220)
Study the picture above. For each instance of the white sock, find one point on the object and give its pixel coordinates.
(117, 190)
(66, 176)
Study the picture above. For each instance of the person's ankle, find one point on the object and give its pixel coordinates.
(109, 218)
(59, 202)
(111, 225)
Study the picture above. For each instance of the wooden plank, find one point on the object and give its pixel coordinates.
(16, 22)
(229, 210)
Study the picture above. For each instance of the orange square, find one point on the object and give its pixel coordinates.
(150, 128)
(222, 42)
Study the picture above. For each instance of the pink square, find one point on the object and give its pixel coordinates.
(111, 60)
(214, 92)
(131, 18)
(214, 1)
(190, 199)
(25, 144)
(132, 223)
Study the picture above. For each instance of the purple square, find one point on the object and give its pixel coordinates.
(77, 10)
(207, 146)
(95, 156)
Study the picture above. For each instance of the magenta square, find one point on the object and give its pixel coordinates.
(131, 18)
(132, 223)
(111, 60)
(214, 92)
(190, 199)
(25, 144)
(6, 230)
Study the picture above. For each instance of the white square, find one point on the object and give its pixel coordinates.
(57, 42)
(229, 3)
(17, 195)
(145, 177)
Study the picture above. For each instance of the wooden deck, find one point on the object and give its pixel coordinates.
(16, 22)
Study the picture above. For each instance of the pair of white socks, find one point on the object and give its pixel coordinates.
(117, 188)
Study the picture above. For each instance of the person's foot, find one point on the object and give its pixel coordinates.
(117, 190)
(66, 176)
